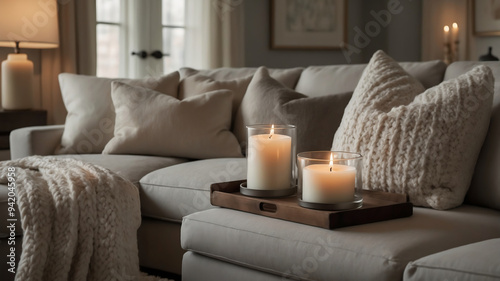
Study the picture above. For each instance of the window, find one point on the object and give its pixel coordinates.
(108, 37)
(126, 26)
(173, 30)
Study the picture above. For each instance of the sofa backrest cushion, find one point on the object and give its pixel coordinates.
(485, 186)
(287, 76)
(318, 81)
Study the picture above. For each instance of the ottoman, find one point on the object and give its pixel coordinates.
(477, 261)
(224, 243)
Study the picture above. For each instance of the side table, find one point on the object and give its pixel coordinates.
(14, 119)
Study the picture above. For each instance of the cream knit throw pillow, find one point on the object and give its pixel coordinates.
(422, 143)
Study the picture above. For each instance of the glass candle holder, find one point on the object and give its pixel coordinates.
(330, 180)
(271, 157)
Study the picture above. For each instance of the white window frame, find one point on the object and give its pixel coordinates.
(131, 66)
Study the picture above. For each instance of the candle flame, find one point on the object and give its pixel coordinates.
(272, 131)
(331, 162)
(446, 28)
(454, 25)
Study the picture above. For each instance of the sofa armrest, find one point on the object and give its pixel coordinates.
(38, 140)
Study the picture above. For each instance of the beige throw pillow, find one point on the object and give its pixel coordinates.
(422, 143)
(200, 84)
(267, 101)
(150, 123)
(91, 116)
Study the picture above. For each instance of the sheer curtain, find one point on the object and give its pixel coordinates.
(214, 38)
(76, 54)
(214, 33)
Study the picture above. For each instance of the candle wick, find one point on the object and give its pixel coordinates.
(331, 168)
(270, 136)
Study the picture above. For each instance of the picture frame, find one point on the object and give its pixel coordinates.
(486, 17)
(308, 25)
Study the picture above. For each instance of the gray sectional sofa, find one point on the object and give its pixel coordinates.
(183, 233)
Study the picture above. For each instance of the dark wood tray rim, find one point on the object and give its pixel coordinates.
(377, 206)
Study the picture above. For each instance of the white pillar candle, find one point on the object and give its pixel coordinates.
(17, 82)
(328, 184)
(269, 161)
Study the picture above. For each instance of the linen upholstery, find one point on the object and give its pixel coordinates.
(91, 116)
(180, 190)
(318, 81)
(485, 186)
(316, 119)
(197, 267)
(424, 144)
(286, 76)
(199, 84)
(150, 123)
(36, 140)
(477, 261)
(131, 167)
(375, 251)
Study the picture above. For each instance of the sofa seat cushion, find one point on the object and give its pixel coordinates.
(176, 191)
(477, 261)
(376, 251)
(131, 167)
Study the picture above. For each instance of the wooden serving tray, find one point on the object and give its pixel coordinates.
(377, 206)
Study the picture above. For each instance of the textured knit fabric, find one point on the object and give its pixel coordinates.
(422, 143)
(79, 220)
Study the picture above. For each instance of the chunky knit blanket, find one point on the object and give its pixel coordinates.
(79, 221)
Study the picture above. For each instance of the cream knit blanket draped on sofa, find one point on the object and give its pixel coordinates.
(79, 221)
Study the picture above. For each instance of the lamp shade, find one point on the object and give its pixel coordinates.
(32, 23)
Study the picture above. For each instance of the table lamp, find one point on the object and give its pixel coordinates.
(24, 24)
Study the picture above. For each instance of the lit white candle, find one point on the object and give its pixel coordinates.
(328, 184)
(17, 82)
(269, 161)
(446, 30)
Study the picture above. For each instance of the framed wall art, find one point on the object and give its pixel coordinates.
(308, 24)
(486, 17)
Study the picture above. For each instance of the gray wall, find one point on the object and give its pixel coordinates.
(400, 38)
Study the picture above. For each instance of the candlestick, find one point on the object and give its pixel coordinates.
(455, 52)
(446, 33)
